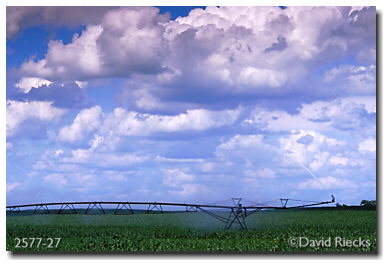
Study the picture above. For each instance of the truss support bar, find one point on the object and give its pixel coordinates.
(124, 206)
(191, 208)
(94, 205)
(65, 206)
(155, 206)
(284, 202)
(237, 216)
(41, 207)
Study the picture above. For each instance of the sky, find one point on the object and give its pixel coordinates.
(190, 104)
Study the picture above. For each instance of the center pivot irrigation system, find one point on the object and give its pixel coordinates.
(237, 212)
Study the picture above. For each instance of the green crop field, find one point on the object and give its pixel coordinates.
(268, 231)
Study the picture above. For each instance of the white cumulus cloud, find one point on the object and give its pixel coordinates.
(27, 83)
(257, 50)
(308, 148)
(174, 177)
(126, 40)
(368, 145)
(129, 123)
(18, 111)
(86, 121)
(90, 157)
(56, 178)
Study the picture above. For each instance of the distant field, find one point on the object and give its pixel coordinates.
(189, 232)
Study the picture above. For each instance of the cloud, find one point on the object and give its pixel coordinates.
(350, 113)
(258, 177)
(62, 94)
(247, 51)
(256, 50)
(323, 110)
(96, 156)
(275, 121)
(178, 160)
(56, 178)
(86, 121)
(326, 183)
(339, 161)
(146, 96)
(11, 186)
(20, 17)
(256, 77)
(280, 45)
(353, 79)
(265, 173)
(85, 166)
(81, 84)
(181, 183)
(104, 160)
(18, 112)
(174, 177)
(190, 189)
(127, 123)
(106, 131)
(368, 145)
(27, 83)
(343, 114)
(81, 57)
(115, 176)
(128, 40)
(9, 145)
(142, 98)
(308, 148)
(242, 141)
(243, 152)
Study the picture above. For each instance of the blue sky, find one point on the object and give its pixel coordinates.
(204, 104)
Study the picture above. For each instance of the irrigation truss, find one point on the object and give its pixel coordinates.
(237, 212)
